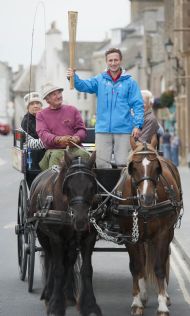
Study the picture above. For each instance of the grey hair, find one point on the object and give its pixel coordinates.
(149, 95)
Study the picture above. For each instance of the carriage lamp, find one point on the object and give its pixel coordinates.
(19, 139)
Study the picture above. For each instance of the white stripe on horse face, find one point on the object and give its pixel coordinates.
(145, 162)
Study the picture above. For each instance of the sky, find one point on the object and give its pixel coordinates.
(17, 18)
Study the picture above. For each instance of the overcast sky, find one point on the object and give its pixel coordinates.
(95, 18)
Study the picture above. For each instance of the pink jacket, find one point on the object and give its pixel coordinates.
(63, 121)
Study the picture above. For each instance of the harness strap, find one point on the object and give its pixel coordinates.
(156, 210)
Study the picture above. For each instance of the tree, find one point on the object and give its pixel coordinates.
(167, 99)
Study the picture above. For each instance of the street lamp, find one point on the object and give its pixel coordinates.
(138, 59)
(180, 72)
(169, 47)
(169, 50)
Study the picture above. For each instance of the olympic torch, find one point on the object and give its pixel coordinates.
(72, 20)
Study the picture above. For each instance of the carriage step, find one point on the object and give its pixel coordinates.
(102, 249)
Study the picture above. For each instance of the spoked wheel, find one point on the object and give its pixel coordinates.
(31, 258)
(21, 230)
(77, 277)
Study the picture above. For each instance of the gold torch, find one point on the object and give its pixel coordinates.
(72, 19)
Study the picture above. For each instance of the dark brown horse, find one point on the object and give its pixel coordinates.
(61, 202)
(153, 202)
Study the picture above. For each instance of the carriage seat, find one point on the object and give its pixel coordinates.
(25, 159)
(89, 142)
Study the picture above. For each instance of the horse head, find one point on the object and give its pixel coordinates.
(145, 168)
(80, 187)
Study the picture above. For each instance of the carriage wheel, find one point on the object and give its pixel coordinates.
(21, 230)
(77, 277)
(31, 258)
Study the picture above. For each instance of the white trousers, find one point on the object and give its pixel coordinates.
(112, 144)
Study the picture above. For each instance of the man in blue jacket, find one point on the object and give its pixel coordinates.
(120, 109)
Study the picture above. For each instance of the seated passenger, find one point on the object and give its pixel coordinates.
(59, 126)
(33, 104)
(151, 126)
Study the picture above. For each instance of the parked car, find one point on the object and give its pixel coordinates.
(4, 126)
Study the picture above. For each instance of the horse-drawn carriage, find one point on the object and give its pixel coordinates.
(70, 206)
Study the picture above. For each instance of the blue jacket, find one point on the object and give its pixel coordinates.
(120, 106)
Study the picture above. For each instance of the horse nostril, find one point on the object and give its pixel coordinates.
(147, 200)
(80, 225)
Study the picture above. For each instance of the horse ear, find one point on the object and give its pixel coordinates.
(154, 141)
(133, 143)
(92, 160)
(67, 158)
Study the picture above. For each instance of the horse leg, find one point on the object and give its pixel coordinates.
(56, 305)
(69, 272)
(87, 300)
(161, 258)
(137, 268)
(48, 279)
(46, 266)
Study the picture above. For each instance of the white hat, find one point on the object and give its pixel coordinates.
(49, 88)
(32, 97)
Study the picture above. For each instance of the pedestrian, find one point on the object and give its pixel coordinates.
(166, 144)
(118, 95)
(33, 103)
(59, 126)
(160, 133)
(151, 126)
(175, 144)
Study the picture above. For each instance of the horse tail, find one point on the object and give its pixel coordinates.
(150, 262)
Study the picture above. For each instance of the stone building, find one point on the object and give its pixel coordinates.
(52, 68)
(5, 88)
(177, 30)
(141, 43)
(139, 6)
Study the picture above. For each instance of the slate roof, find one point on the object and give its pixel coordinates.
(84, 52)
(23, 83)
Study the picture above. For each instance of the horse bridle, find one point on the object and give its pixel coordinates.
(148, 178)
(83, 169)
(143, 179)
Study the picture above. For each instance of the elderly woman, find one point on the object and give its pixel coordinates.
(151, 125)
(33, 103)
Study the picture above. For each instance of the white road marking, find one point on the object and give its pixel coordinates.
(180, 261)
(2, 162)
(10, 225)
(177, 270)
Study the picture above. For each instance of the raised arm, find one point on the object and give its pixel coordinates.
(89, 85)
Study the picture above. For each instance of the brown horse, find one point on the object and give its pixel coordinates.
(61, 201)
(152, 190)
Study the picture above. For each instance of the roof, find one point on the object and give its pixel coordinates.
(84, 52)
(23, 83)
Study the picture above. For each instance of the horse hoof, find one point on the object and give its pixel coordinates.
(70, 302)
(168, 301)
(137, 311)
(144, 302)
(94, 313)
